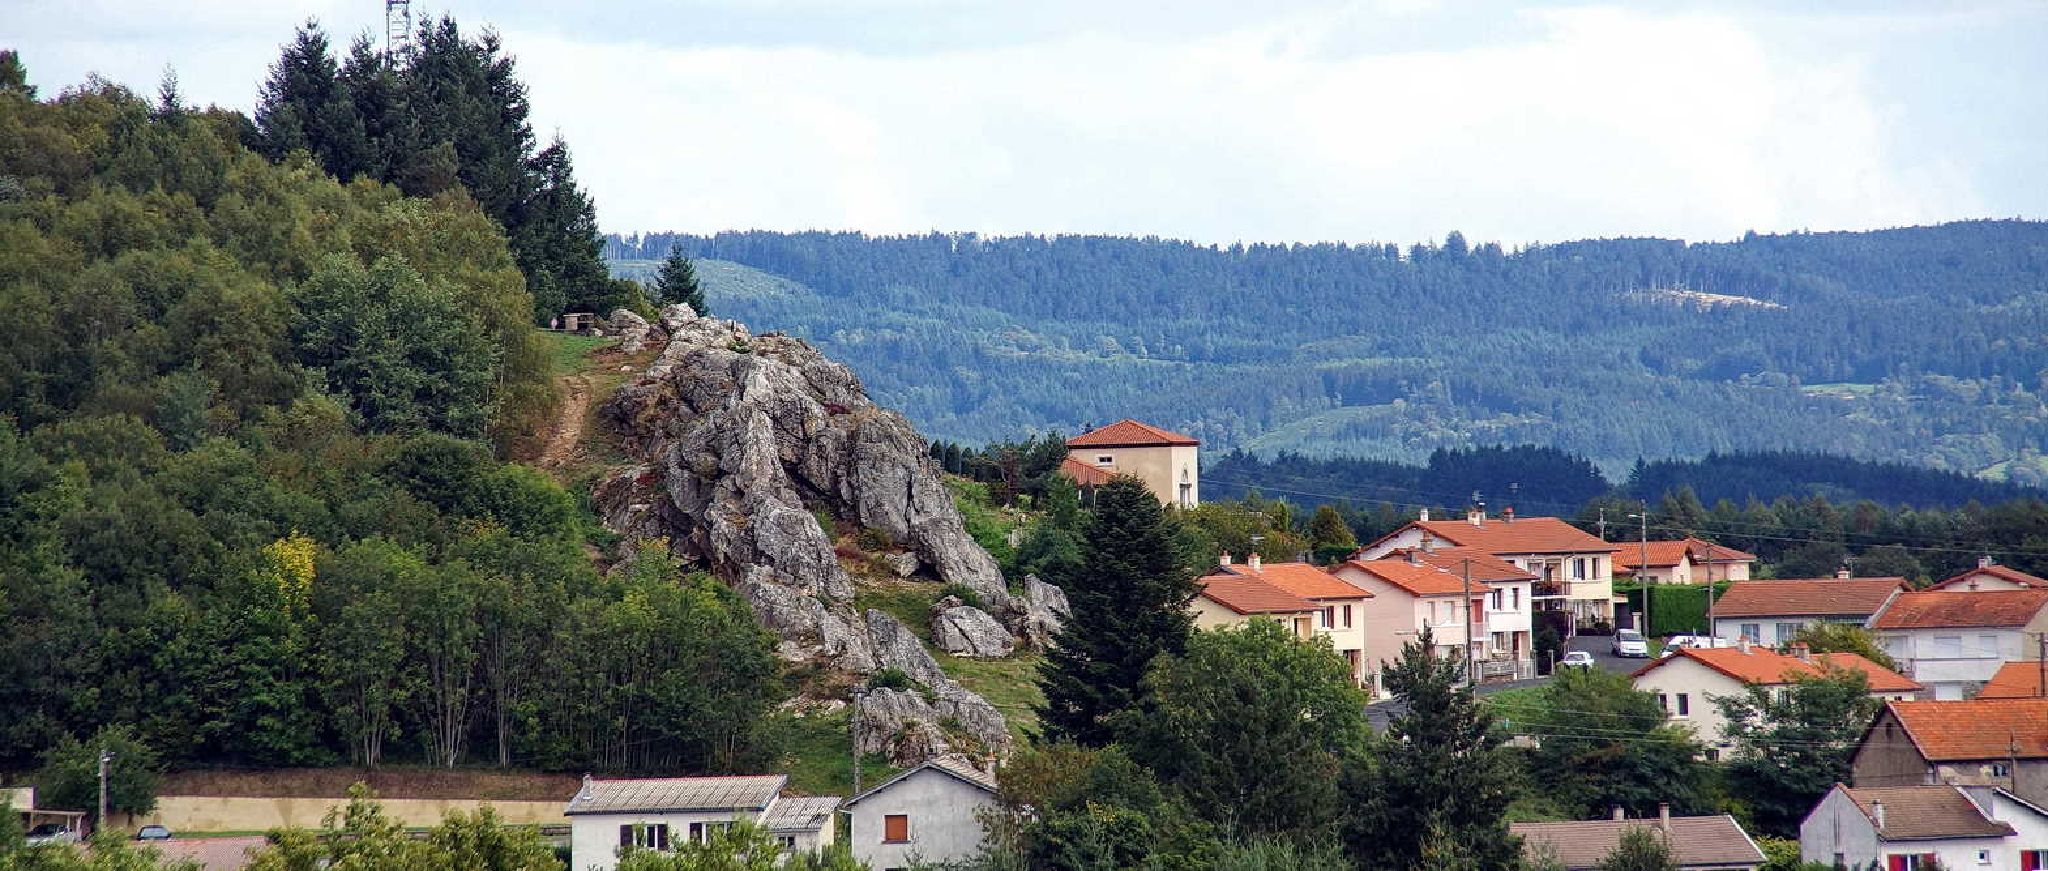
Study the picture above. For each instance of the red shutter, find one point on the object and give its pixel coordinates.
(1895, 863)
(895, 828)
(2030, 860)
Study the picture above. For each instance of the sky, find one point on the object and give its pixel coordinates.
(1213, 120)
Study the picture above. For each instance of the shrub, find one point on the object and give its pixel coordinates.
(891, 678)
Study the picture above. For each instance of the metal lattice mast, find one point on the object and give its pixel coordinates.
(397, 30)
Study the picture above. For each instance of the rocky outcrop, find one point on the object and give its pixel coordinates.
(911, 725)
(742, 443)
(635, 334)
(964, 630)
(1041, 613)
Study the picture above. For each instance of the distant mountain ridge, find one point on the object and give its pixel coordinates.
(1925, 345)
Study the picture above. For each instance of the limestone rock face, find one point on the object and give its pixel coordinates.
(634, 332)
(964, 630)
(906, 725)
(1043, 611)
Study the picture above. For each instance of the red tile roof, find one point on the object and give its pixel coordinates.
(1301, 579)
(1485, 566)
(1248, 595)
(1807, 597)
(1957, 609)
(1767, 667)
(1975, 729)
(2014, 680)
(1084, 475)
(1925, 813)
(1500, 536)
(2010, 575)
(1418, 580)
(1664, 554)
(1128, 433)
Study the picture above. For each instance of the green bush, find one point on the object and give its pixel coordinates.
(892, 678)
(964, 593)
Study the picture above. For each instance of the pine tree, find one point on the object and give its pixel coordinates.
(13, 75)
(556, 241)
(304, 106)
(1130, 595)
(677, 282)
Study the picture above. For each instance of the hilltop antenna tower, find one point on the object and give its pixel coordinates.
(397, 30)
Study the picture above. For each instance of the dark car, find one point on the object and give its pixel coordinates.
(152, 833)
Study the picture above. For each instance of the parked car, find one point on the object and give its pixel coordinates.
(152, 833)
(1628, 642)
(1576, 659)
(52, 833)
(1696, 642)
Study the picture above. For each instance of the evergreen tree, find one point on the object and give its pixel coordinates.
(304, 106)
(677, 282)
(1329, 534)
(1130, 595)
(377, 96)
(1441, 768)
(13, 75)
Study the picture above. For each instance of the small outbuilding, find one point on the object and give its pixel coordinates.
(928, 814)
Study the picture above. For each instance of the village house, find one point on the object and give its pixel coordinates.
(1340, 607)
(1705, 843)
(1688, 682)
(1979, 742)
(1991, 576)
(1229, 600)
(1773, 612)
(1506, 642)
(929, 814)
(1574, 571)
(2017, 680)
(1955, 641)
(1910, 828)
(1685, 561)
(1168, 462)
(656, 813)
(1408, 597)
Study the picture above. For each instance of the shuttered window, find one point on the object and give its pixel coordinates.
(895, 829)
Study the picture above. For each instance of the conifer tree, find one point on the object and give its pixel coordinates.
(1130, 594)
(304, 106)
(677, 281)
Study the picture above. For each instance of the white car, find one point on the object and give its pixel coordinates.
(1576, 659)
(1628, 642)
(1696, 642)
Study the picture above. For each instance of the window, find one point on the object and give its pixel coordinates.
(701, 832)
(1948, 647)
(896, 829)
(1496, 600)
(652, 837)
(1579, 569)
(1909, 862)
(1347, 616)
(1329, 616)
(1663, 703)
(1105, 460)
(1787, 631)
(1983, 857)
(1514, 598)
(1987, 647)
(2033, 860)
(788, 842)
(1684, 705)
(1753, 631)
(2001, 769)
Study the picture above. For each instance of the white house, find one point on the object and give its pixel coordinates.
(1955, 641)
(1502, 636)
(928, 814)
(1908, 828)
(1772, 612)
(656, 813)
(1683, 561)
(1991, 576)
(1688, 682)
(1573, 570)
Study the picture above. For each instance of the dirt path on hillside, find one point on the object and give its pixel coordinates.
(566, 435)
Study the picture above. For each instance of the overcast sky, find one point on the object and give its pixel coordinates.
(1397, 120)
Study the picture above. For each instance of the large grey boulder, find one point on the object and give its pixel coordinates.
(912, 725)
(964, 630)
(635, 334)
(895, 647)
(1043, 611)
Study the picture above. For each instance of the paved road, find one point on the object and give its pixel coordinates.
(1382, 713)
(1600, 646)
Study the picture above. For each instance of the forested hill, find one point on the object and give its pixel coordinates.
(1924, 345)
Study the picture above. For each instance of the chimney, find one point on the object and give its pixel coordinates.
(1743, 644)
(1412, 558)
(1425, 516)
(1476, 516)
(1619, 814)
(1664, 816)
(1984, 562)
(1253, 561)
(1507, 515)
(1877, 814)
(1224, 560)
(1428, 542)
(1842, 572)
(1802, 652)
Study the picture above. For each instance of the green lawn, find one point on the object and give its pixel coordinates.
(907, 601)
(1011, 684)
(818, 756)
(569, 353)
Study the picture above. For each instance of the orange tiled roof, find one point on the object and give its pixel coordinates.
(1975, 729)
(1245, 594)
(1955, 609)
(2014, 680)
(2010, 575)
(1807, 597)
(1485, 566)
(1085, 475)
(1664, 554)
(1128, 433)
(1419, 580)
(1522, 535)
(1767, 667)
(1301, 579)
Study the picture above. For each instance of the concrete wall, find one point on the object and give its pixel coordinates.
(1887, 757)
(1698, 684)
(943, 825)
(1836, 827)
(1163, 468)
(1957, 670)
(200, 813)
(594, 838)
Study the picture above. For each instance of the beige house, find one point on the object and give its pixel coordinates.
(1232, 600)
(1340, 607)
(1408, 597)
(1991, 576)
(1504, 595)
(1574, 570)
(1688, 682)
(1685, 561)
(1169, 463)
(1773, 612)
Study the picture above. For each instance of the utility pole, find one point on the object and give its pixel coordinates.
(1643, 570)
(100, 822)
(1471, 664)
(2041, 665)
(1602, 523)
(859, 693)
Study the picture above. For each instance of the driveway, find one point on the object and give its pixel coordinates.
(1599, 646)
(1380, 713)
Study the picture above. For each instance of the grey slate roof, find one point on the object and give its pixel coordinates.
(948, 766)
(1699, 842)
(676, 794)
(800, 814)
(1921, 813)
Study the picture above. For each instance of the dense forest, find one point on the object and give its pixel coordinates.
(1921, 345)
(252, 503)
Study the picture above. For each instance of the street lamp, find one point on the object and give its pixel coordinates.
(1643, 571)
(106, 758)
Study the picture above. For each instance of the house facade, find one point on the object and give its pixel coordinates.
(1505, 642)
(1572, 570)
(1168, 462)
(1685, 561)
(1910, 828)
(1999, 743)
(1340, 607)
(1230, 600)
(657, 813)
(1408, 597)
(1955, 641)
(1706, 843)
(1773, 612)
(1689, 681)
(928, 814)
(1991, 576)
